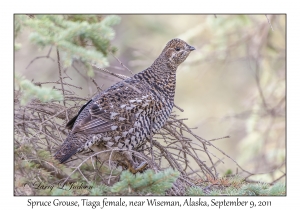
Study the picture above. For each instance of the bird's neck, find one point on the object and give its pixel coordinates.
(162, 77)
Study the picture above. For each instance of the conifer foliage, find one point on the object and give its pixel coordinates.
(83, 38)
(235, 185)
(148, 182)
(31, 91)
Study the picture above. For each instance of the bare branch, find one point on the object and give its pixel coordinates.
(269, 23)
(39, 57)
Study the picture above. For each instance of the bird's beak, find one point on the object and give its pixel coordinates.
(192, 48)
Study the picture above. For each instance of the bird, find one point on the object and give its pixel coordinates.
(128, 113)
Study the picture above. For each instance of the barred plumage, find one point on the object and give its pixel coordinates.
(123, 115)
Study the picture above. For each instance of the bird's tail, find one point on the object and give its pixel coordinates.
(70, 147)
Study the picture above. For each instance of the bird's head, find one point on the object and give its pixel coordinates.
(176, 51)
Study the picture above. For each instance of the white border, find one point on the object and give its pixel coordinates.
(153, 6)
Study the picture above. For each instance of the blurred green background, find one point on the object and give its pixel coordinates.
(233, 84)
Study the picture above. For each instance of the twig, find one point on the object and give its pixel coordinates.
(122, 64)
(178, 108)
(122, 77)
(38, 57)
(61, 80)
(225, 137)
(98, 88)
(40, 83)
(276, 180)
(269, 22)
(257, 80)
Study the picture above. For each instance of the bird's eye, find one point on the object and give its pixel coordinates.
(177, 48)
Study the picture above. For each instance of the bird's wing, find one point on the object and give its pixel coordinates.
(115, 107)
(96, 121)
(71, 122)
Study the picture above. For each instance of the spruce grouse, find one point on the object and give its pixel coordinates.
(122, 116)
